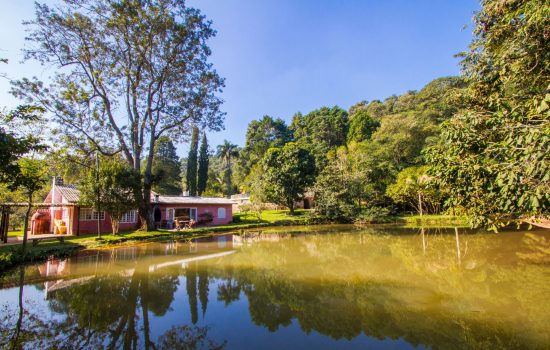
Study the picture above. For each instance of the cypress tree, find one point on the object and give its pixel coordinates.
(192, 163)
(203, 165)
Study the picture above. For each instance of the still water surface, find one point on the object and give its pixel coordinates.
(323, 287)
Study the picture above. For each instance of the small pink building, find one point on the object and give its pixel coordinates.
(205, 211)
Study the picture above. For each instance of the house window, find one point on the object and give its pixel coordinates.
(129, 217)
(221, 213)
(90, 214)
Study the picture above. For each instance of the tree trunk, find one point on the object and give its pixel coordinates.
(26, 222)
(115, 224)
(15, 339)
(420, 203)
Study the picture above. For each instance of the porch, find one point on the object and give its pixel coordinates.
(48, 221)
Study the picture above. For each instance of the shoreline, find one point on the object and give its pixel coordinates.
(11, 256)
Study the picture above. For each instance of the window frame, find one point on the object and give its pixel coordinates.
(91, 215)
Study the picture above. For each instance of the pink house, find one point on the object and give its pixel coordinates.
(166, 210)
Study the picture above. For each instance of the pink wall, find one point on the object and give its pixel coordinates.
(90, 226)
(201, 209)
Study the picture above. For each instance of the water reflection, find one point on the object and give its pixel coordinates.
(442, 289)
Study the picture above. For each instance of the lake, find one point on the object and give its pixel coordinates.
(318, 287)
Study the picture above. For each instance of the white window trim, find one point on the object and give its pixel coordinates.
(93, 212)
(132, 215)
(174, 212)
(224, 213)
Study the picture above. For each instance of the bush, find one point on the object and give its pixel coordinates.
(374, 215)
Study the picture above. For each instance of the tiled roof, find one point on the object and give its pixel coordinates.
(190, 200)
(72, 195)
(69, 192)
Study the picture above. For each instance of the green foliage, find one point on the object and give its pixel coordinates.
(227, 152)
(415, 189)
(373, 215)
(361, 126)
(494, 156)
(202, 176)
(320, 131)
(260, 136)
(192, 163)
(15, 142)
(166, 168)
(287, 173)
(112, 189)
(339, 188)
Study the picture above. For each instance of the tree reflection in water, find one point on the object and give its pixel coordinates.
(442, 289)
(104, 312)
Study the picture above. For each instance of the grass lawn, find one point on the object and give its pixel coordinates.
(433, 220)
(273, 216)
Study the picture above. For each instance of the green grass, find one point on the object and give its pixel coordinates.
(18, 233)
(433, 220)
(273, 216)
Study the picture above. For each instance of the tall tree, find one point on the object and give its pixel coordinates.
(192, 163)
(494, 155)
(320, 131)
(128, 73)
(361, 126)
(202, 178)
(260, 136)
(227, 151)
(166, 168)
(289, 171)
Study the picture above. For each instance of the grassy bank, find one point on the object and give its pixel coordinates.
(427, 221)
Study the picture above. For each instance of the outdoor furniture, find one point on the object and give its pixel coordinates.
(181, 223)
(190, 224)
(60, 228)
(39, 238)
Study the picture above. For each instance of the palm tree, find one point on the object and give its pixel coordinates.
(226, 152)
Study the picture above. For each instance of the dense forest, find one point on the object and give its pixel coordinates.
(474, 145)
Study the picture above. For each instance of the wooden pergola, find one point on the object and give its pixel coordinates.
(5, 210)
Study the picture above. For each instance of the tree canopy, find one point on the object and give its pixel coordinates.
(289, 171)
(494, 155)
(128, 73)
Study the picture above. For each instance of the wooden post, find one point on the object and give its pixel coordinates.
(77, 214)
(2, 223)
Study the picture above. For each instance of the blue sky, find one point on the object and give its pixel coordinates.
(284, 56)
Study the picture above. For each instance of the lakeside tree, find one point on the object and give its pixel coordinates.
(288, 172)
(494, 155)
(128, 73)
(202, 176)
(227, 152)
(191, 174)
(320, 131)
(112, 189)
(414, 188)
(19, 170)
(166, 168)
(261, 135)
